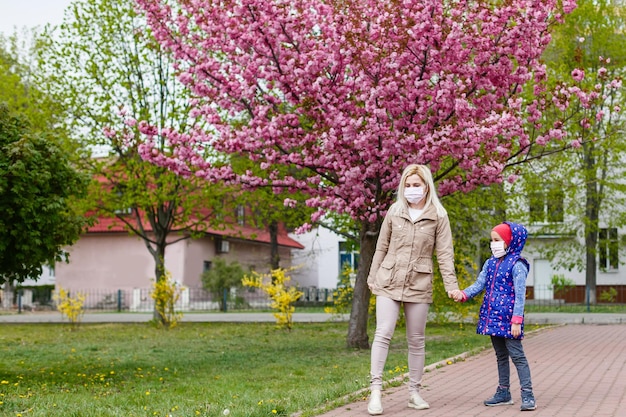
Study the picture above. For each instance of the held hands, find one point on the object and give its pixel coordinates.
(456, 295)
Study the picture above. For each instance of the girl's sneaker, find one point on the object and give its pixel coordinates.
(501, 397)
(528, 401)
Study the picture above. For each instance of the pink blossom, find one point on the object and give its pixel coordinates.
(306, 227)
(348, 93)
(578, 74)
(288, 202)
(109, 132)
(585, 123)
(569, 6)
(512, 178)
(130, 122)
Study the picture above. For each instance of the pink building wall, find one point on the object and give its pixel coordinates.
(120, 261)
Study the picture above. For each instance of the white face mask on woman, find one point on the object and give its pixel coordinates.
(414, 194)
(497, 248)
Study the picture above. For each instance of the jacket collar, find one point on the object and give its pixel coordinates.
(429, 213)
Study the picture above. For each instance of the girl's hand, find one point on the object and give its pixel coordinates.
(516, 330)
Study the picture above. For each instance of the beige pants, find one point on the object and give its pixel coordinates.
(387, 311)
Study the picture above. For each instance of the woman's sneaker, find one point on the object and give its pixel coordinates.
(528, 401)
(417, 402)
(501, 397)
(375, 406)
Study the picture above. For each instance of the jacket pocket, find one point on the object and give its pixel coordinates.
(423, 268)
(421, 278)
(385, 273)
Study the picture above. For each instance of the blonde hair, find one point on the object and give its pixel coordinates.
(431, 193)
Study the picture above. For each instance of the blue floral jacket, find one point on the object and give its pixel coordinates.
(504, 282)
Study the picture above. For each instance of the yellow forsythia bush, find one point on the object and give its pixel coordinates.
(275, 285)
(166, 293)
(343, 294)
(70, 307)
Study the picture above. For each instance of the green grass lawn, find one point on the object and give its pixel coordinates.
(195, 369)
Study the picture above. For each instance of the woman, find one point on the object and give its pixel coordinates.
(414, 229)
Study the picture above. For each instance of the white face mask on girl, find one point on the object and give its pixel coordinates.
(497, 248)
(414, 194)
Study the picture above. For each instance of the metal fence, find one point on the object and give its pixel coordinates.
(577, 294)
(140, 299)
(245, 299)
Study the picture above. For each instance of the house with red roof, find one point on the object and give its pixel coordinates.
(108, 259)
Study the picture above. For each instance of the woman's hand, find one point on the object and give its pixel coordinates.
(456, 295)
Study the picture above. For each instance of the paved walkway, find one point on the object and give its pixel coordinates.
(578, 370)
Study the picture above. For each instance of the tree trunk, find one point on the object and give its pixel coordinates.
(357, 326)
(159, 273)
(592, 207)
(274, 256)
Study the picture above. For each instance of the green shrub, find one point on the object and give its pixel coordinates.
(561, 284)
(608, 296)
(444, 309)
(221, 278)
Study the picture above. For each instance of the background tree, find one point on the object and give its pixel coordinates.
(350, 92)
(270, 208)
(577, 192)
(39, 185)
(105, 67)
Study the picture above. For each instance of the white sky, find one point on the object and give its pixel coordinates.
(30, 13)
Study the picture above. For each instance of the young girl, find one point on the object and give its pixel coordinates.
(503, 277)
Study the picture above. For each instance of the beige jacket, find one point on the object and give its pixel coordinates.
(402, 267)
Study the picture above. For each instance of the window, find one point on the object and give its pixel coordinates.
(221, 245)
(206, 266)
(348, 256)
(546, 206)
(240, 214)
(608, 248)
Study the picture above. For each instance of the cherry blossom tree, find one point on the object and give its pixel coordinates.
(350, 92)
